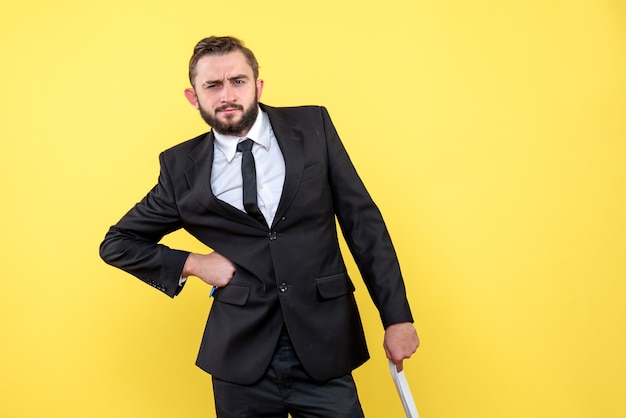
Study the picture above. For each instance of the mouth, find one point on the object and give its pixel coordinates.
(229, 109)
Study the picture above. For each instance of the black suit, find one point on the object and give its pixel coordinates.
(291, 273)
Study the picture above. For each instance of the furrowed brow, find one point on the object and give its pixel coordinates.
(221, 81)
(238, 77)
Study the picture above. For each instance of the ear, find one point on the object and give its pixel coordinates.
(259, 88)
(191, 96)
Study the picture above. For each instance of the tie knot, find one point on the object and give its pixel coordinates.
(245, 146)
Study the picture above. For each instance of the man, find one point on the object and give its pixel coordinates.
(284, 333)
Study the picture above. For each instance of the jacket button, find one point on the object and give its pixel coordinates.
(272, 235)
(282, 287)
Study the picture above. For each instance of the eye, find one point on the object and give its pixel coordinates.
(211, 85)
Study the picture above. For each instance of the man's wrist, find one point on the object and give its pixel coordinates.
(189, 266)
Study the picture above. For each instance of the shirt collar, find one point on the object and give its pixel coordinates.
(259, 133)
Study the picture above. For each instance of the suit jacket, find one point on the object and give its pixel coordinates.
(290, 274)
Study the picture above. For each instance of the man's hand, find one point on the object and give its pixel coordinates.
(401, 341)
(214, 268)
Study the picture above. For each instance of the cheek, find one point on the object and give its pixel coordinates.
(207, 101)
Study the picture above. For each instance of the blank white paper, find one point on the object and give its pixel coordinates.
(399, 379)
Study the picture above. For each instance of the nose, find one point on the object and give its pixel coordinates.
(228, 93)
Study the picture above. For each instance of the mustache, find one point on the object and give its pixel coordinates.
(229, 106)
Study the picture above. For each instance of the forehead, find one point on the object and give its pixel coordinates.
(217, 67)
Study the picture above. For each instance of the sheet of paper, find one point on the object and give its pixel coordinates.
(399, 379)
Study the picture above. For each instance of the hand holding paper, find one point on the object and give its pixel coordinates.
(400, 343)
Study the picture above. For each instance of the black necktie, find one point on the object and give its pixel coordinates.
(248, 173)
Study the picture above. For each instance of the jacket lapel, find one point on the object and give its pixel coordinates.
(290, 139)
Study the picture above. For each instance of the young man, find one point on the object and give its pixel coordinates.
(262, 189)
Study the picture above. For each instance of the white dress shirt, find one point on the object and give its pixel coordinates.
(226, 180)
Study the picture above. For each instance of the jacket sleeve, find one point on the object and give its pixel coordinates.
(133, 243)
(365, 232)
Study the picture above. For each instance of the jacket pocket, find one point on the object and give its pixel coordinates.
(312, 171)
(233, 294)
(334, 286)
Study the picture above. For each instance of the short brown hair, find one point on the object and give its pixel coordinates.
(220, 45)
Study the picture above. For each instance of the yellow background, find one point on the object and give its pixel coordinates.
(491, 133)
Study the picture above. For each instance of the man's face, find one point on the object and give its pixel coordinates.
(226, 93)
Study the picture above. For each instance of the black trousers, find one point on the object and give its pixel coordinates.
(287, 389)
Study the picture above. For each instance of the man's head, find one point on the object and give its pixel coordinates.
(225, 85)
(220, 45)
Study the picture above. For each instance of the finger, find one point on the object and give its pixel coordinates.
(388, 353)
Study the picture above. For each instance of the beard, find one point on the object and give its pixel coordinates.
(231, 127)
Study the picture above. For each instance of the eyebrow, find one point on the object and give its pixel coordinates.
(233, 78)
